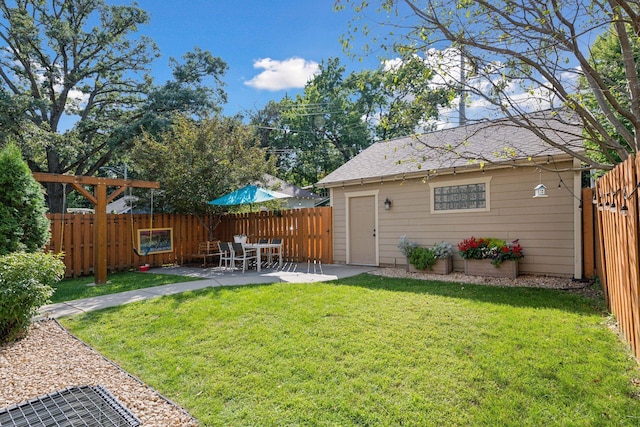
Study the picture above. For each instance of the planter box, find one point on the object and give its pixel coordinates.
(442, 266)
(483, 267)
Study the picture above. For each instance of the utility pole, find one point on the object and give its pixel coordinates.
(462, 114)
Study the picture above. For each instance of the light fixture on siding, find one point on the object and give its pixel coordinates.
(387, 204)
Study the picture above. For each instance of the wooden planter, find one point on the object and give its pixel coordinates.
(483, 267)
(442, 266)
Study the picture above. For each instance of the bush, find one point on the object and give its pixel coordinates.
(23, 222)
(25, 286)
(422, 258)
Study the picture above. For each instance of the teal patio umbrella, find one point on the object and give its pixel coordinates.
(247, 195)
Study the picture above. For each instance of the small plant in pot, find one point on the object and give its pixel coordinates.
(422, 258)
(443, 250)
(425, 258)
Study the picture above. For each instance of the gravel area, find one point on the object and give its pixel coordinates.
(49, 359)
(566, 284)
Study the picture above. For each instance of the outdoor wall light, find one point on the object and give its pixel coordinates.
(387, 204)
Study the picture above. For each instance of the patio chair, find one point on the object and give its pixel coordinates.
(274, 250)
(226, 254)
(240, 238)
(263, 251)
(240, 253)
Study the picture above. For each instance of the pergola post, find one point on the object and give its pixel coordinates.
(100, 234)
(99, 199)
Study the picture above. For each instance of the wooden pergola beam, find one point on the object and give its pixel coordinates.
(93, 180)
(99, 199)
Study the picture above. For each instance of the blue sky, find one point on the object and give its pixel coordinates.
(271, 47)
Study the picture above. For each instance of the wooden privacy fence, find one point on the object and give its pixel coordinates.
(73, 234)
(306, 234)
(616, 201)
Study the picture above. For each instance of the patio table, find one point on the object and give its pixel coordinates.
(260, 246)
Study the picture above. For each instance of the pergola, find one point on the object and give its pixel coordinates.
(99, 199)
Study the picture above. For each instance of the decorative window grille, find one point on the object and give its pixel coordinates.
(75, 406)
(457, 197)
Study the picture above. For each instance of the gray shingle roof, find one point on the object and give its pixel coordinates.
(288, 188)
(498, 141)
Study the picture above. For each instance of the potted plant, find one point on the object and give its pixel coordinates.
(406, 246)
(422, 258)
(437, 259)
(490, 257)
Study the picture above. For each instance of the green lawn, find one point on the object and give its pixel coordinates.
(83, 287)
(375, 351)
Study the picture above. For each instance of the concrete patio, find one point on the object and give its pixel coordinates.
(213, 277)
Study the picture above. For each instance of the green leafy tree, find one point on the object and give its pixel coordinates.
(77, 73)
(606, 57)
(198, 161)
(336, 117)
(23, 222)
(509, 48)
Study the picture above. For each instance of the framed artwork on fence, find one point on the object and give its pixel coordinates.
(155, 241)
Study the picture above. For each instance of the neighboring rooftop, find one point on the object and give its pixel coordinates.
(282, 186)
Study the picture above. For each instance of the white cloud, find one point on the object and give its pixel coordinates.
(288, 74)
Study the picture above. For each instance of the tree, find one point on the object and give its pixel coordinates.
(23, 222)
(336, 117)
(533, 48)
(606, 57)
(79, 74)
(198, 161)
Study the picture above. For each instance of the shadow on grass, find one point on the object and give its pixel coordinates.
(513, 296)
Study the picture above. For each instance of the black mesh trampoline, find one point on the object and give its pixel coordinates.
(73, 407)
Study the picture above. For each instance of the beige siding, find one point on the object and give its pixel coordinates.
(544, 226)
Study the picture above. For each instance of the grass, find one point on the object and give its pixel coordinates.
(83, 287)
(375, 351)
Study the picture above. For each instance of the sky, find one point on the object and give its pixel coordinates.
(271, 47)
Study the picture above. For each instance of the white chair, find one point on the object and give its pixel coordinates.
(240, 238)
(264, 251)
(226, 254)
(276, 250)
(241, 253)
